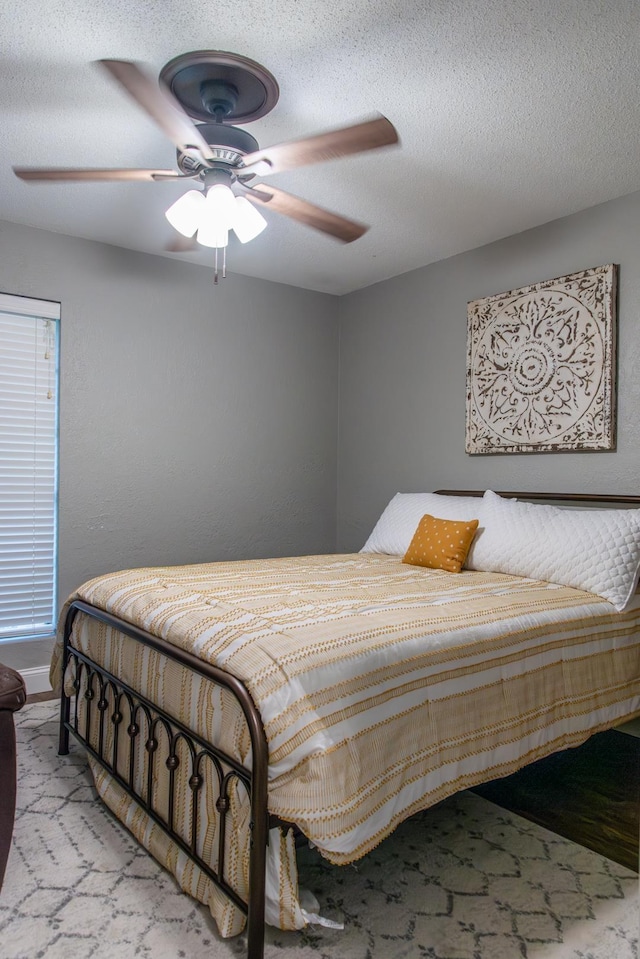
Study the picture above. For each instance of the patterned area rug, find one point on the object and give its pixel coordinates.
(465, 880)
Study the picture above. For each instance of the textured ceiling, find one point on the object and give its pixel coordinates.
(511, 113)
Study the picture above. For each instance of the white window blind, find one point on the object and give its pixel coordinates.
(28, 465)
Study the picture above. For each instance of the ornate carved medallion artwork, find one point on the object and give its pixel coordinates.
(541, 366)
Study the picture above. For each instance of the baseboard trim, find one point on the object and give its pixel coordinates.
(36, 679)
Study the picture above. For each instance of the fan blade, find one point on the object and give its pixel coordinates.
(370, 135)
(160, 105)
(305, 212)
(42, 173)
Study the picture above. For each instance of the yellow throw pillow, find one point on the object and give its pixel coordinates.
(441, 543)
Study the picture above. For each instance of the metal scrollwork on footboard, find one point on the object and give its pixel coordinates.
(132, 738)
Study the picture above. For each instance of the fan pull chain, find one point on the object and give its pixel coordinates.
(215, 264)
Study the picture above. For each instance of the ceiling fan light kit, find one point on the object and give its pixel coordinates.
(220, 206)
(184, 215)
(217, 89)
(213, 235)
(214, 215)
(248, 222)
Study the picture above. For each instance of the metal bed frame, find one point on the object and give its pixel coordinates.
(100, 688)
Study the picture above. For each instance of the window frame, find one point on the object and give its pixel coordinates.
(40, 309)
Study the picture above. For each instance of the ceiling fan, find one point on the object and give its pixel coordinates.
(217, 89)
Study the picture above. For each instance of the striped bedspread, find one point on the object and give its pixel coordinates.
(383, 688)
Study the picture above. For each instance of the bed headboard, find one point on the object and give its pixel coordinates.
(614, 499)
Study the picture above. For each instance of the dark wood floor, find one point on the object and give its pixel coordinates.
(590, 794)
(41, 697)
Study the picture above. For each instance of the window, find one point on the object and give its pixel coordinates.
(28, 465)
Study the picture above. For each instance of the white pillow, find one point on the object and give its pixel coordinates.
(597, 550)
(394, 530)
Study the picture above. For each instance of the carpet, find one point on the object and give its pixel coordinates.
(464, 880)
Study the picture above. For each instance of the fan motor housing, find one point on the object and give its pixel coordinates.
(230, 144)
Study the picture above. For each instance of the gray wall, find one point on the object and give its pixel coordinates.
(199, 423)
(196, 422)
(403, 367)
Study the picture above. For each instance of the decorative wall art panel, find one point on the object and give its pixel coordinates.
(541, 366)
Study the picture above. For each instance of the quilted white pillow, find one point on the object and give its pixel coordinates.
(597, 550)
(394, 530)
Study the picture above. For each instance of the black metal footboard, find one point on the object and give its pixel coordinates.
(119, 728)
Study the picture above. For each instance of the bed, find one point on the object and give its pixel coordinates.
(231, 710)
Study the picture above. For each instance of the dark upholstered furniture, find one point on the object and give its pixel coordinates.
(13, 695)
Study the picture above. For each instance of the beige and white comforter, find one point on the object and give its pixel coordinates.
(383, 688)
